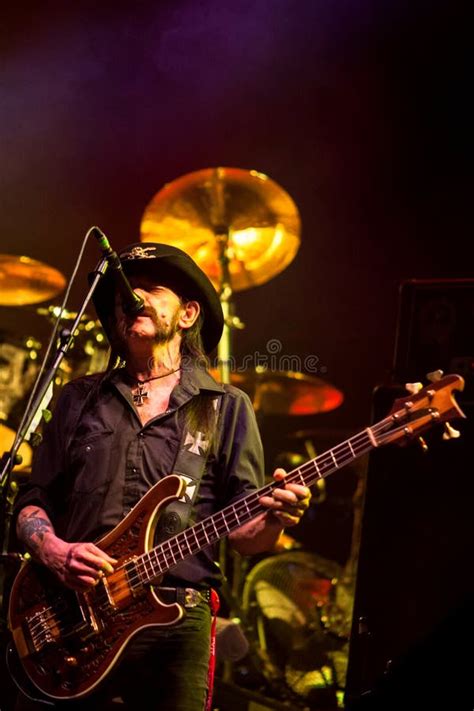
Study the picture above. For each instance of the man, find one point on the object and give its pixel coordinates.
(115, 435)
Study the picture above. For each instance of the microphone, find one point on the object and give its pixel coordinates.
(132, 304)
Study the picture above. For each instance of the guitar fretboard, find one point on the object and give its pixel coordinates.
(159, 560)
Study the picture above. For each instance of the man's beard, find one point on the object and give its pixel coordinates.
(164, 332)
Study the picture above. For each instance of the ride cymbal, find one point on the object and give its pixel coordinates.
(26, 281)
(286, 392)
(227, 216)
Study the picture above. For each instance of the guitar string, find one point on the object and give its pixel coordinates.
(360, 443)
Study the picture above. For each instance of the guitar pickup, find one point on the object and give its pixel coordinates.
(89, 627)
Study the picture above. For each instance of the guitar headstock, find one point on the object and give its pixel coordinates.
(422, 408)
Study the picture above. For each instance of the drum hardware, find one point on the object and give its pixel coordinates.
(89, 350)
(299, 624)
(18, 369)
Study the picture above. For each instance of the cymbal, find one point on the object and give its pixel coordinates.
(7, 437)
(243, 212)
(286, 392)
(27, 281)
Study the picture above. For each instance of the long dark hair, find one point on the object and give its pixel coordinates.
(200, 411)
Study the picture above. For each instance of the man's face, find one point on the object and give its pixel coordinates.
(159, 320)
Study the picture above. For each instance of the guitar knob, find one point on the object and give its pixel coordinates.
(413, 388)
(423, 444)
(450, 432)
(434, 376)
(71, 661)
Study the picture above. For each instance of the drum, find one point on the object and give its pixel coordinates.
(297, 625)
(89, 352)
(18, 369)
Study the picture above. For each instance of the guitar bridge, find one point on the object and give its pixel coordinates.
(40, 630)
(49, 624)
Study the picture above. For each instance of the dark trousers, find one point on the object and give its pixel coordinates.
(162, 668)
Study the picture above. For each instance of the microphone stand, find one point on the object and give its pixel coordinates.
(31, 420)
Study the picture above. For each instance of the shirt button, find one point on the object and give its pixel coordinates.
(140, 434)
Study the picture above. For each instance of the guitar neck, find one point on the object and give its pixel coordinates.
(160, 559)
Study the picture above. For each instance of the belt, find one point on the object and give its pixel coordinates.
(187, 597)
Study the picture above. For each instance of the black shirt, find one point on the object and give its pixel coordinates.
(97, 460)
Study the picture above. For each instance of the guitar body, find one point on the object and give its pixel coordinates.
(67, 641)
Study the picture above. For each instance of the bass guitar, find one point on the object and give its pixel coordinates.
(69, 641)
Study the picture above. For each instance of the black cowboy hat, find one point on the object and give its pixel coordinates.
(171, 267)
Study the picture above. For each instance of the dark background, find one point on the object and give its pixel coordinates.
(359, 109)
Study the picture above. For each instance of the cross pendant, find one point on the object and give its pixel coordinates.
(140, 395)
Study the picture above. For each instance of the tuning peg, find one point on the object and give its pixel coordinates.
(413, 388)
(434, 376)
(423, 444)
(450, 432)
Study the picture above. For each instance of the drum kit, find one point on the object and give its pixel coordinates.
(242, 229)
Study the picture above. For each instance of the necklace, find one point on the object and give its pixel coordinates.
(142, 394)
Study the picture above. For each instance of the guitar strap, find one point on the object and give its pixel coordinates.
(190, 464)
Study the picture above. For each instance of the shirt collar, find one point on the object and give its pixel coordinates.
(194, 379)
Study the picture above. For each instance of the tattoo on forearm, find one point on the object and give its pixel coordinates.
(33, 527)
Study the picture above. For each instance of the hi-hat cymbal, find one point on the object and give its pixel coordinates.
(27, 281)
(286, 392)
(243, 211)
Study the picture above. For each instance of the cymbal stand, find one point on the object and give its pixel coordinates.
(224, 356)
(224, 348)
(224, 345)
